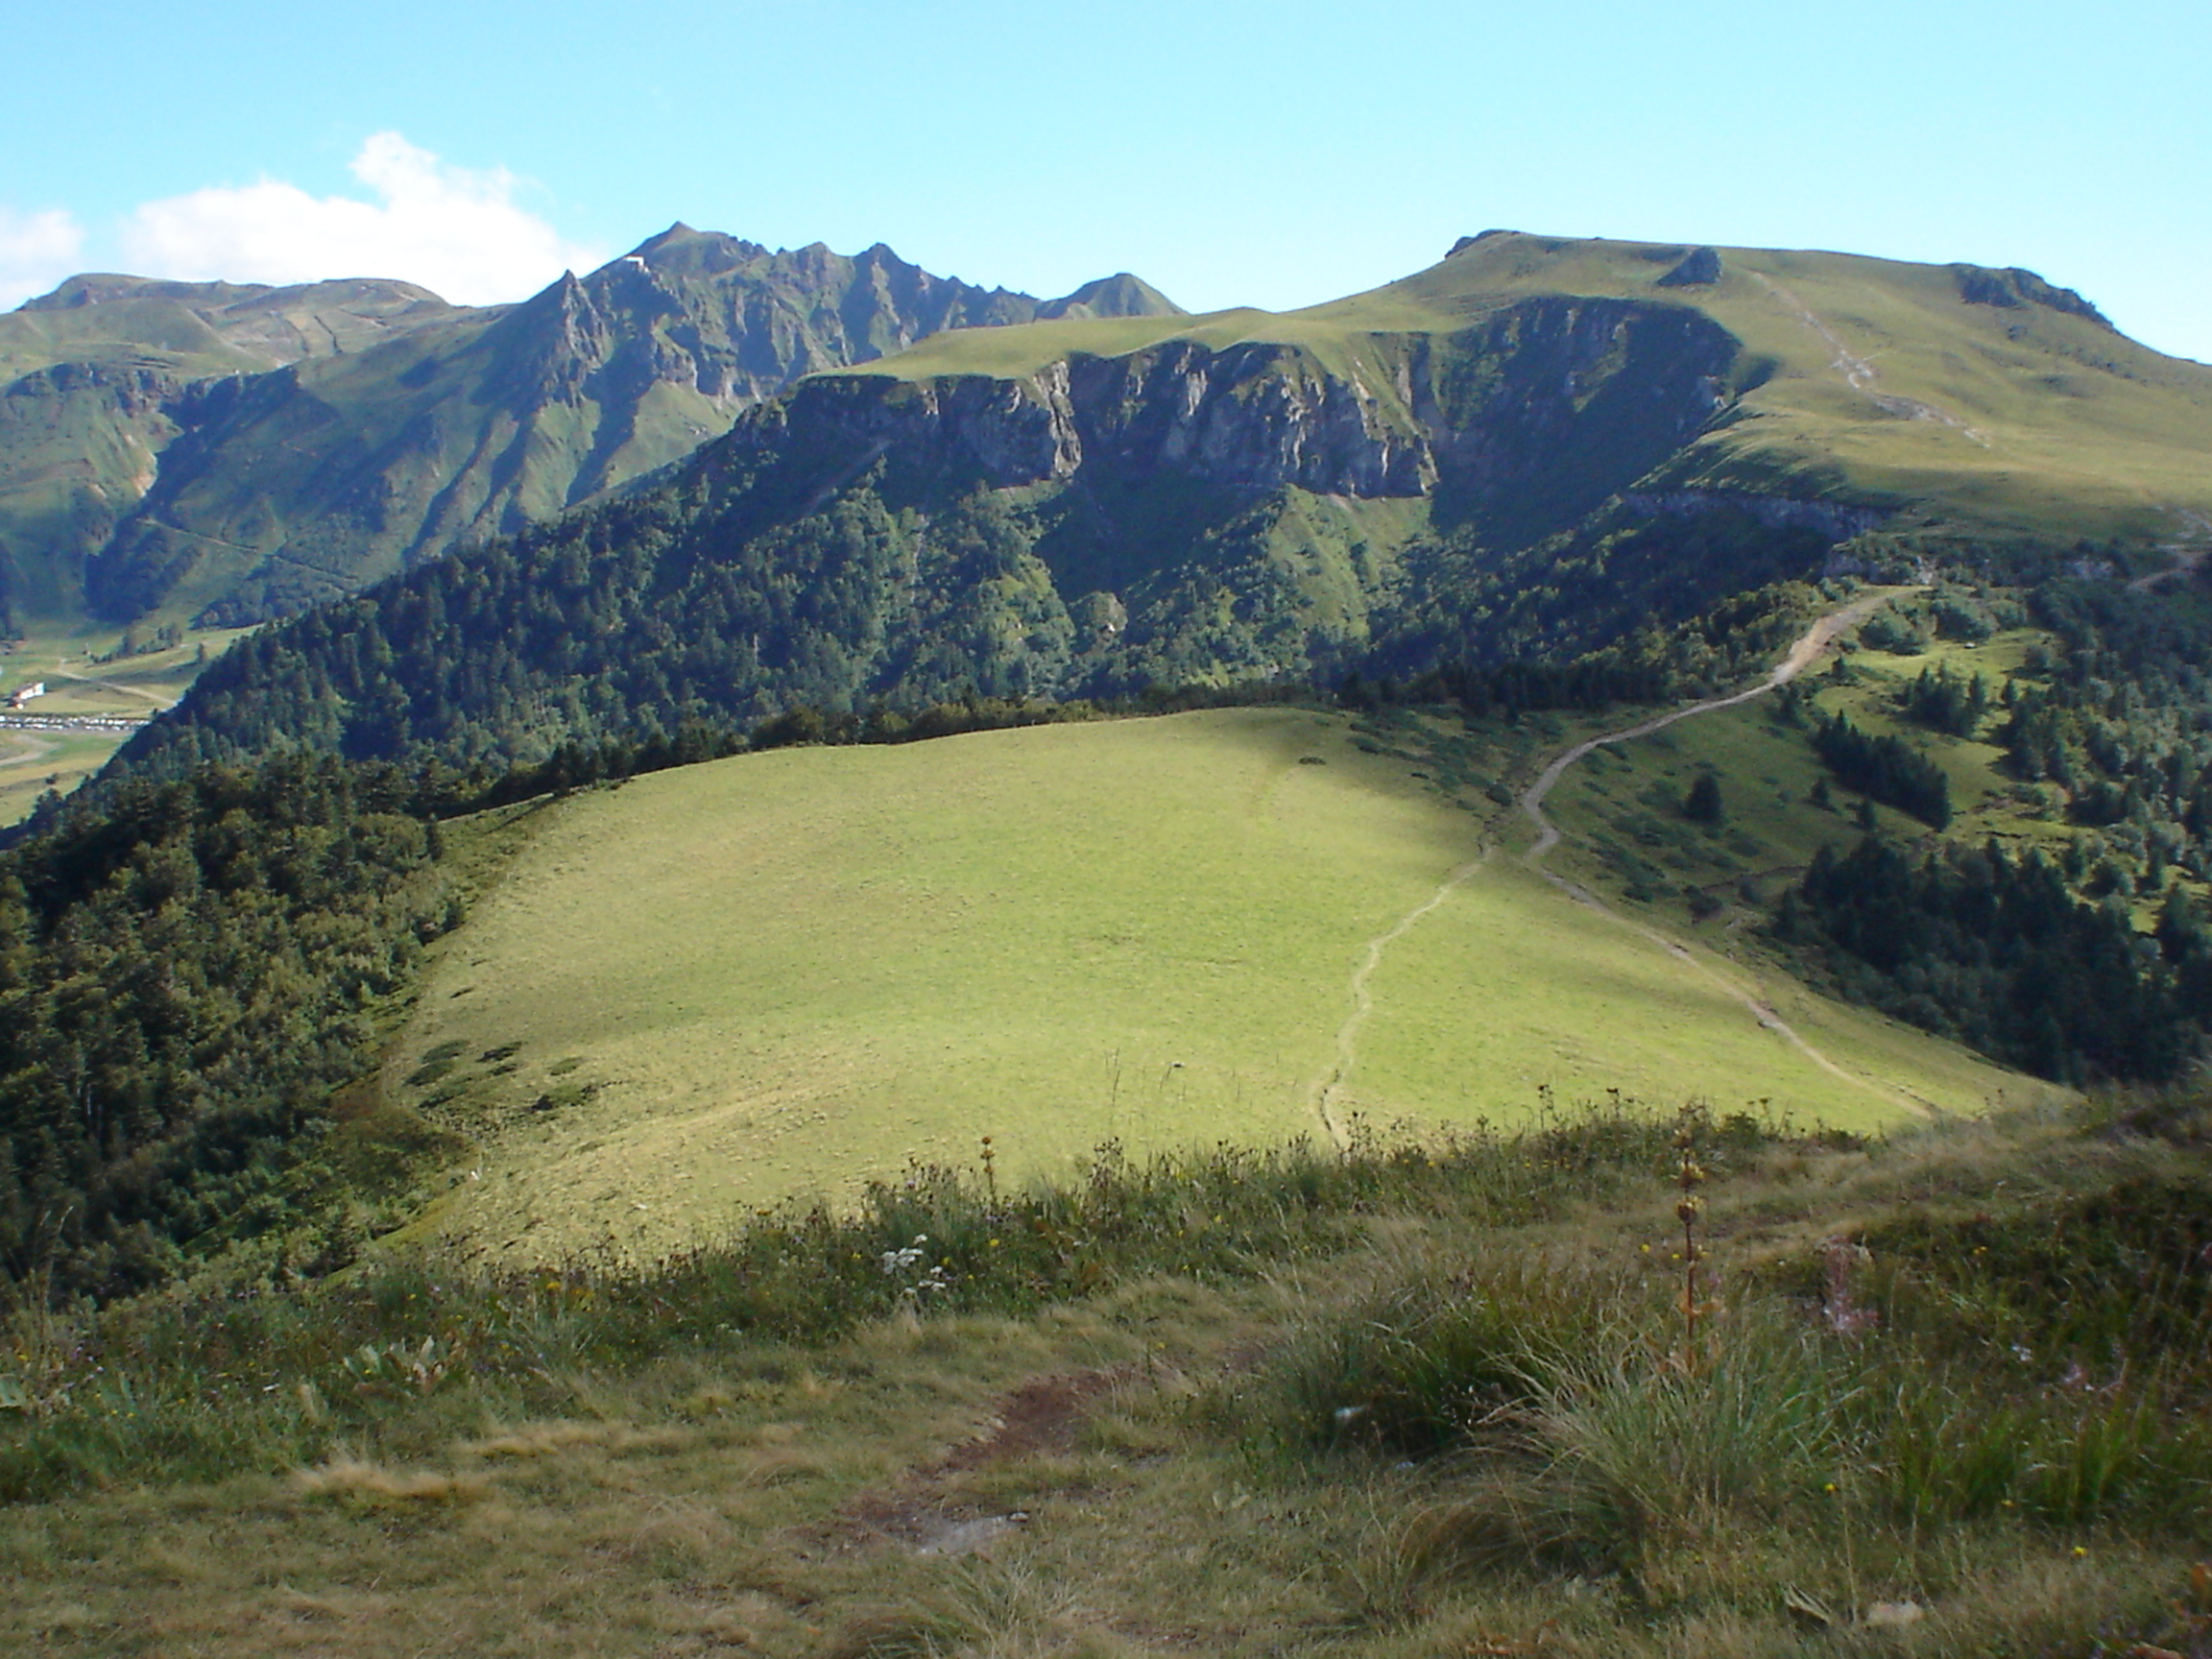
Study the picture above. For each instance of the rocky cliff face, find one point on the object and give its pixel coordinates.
(313, 439)
(1253, 417)
(1183, 510)
(1525, 420)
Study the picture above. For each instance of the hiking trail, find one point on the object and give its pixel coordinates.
(1325, 1091)
(1802, 654)
(1328, 1088)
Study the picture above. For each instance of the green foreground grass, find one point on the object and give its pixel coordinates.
(719, 988)
(1944, 1394)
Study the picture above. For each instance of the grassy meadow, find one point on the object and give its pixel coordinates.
(711, 990)
(32, 761)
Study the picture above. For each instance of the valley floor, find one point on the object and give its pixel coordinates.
(90, 709)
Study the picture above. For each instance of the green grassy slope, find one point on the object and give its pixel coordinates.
(1382, 1407)
(96, 382)
(722, 986)
(205, 328)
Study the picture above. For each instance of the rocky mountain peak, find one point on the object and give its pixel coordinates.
(681, 250)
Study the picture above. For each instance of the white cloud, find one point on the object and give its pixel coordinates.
(454, 229)
(36, 250)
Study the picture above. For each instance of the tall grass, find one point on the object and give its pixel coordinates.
(259, 1374)
(2045, 1367)
(1768, 1419)
(1956, 1400)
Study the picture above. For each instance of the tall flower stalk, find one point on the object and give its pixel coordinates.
(1689, 1210)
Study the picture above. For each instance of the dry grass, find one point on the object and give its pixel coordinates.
(358, 1481)
(545, 1439)
(1102, 1479)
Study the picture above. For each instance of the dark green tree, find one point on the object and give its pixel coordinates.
(1701, 804)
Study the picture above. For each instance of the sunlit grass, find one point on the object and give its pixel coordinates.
(725, 986)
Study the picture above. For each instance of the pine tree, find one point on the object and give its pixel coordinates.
(1703, 803)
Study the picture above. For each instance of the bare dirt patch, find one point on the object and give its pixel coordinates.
(927, 1514)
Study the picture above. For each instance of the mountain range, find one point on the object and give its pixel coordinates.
(220, 453)
(1535, 447)
(1626, 702)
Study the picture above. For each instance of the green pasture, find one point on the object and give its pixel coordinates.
(773, 976)
(63, 657)
(32, 761)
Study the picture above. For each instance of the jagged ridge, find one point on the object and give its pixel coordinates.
(300, 441)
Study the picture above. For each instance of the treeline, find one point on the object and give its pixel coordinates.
(628, 623)
(2119, 716)
(185, 978)
(1733, 641)
(444, 792)
(1598, 681)
(1995, 949)
(1884, 769)
(881, 723)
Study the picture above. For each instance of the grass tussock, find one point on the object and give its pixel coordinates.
(2023, 1376)
(1526, 1394)
(358, 1481)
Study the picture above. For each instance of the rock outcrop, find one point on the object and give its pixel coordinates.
(1700, 268)
(2012, 288)
(1537, 413)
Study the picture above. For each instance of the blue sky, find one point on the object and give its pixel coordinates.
(1233, 153)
